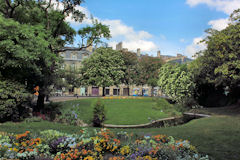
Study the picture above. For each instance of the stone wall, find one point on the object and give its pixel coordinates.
(166, 122)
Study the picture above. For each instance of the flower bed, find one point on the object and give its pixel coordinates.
(51, 144)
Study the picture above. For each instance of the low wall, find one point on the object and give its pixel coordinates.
(166, 122)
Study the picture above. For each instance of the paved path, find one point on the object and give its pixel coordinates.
(66, 98)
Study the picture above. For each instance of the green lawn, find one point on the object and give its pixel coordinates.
(118, 111)
(217, 136)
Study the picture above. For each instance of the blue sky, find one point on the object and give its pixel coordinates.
(171, 26)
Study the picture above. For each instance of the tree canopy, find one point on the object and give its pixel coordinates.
(104, 68)
(217, 68)
(149, 70)
(176, 82)
(33, 33)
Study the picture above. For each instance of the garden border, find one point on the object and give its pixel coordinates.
(165, 122)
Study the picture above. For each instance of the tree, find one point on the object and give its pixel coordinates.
(219, 65)
(104, 68)
(176, 82)
(131, 67)
(149, 70)
(50, 24)
(71, 78)
(13, 98)
(99, 114)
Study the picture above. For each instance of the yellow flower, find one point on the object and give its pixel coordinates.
(23, 144)
(125, 150)
(15, 149)
(99, 149)
(89, 158)
(147, 158)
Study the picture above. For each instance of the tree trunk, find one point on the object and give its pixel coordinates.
(40, 102)
(103, 92)
(152, 91)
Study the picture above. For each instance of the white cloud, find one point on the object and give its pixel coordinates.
(117, 28)
(195, 47)
(226, 6)
(144, 45)
(219, 24)
(131, 39)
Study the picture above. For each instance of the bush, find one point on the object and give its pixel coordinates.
(98, 113)
(13, 100)
(176, 82)
(33, 119)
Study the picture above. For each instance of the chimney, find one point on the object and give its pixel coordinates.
(119, 46)
(138, 52)
(158, 54)
(90, 48)
(179, 55)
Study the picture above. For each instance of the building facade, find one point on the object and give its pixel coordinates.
(73, 60)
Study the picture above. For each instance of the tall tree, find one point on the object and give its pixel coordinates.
(131, 70)
(176, 82)
(103, 69)
(149, 68)
(52, 25)
(220, 63)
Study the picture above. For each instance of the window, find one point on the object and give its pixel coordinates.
(115, 92)
(74, 56)
(107, 92)
(73, 66)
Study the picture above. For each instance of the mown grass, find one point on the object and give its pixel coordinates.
(217, 136)
(121, 111)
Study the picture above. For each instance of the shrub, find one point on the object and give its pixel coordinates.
(33, 119)
(98, 113)
(176, 82)
(13, 100)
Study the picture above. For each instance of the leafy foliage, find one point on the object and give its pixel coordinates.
(217, 68)
(12, 98)
(98, 113)
(93, 34)
(104, 68)
(131, 67)
(32, 33)
(176, 82)
(22, 49)
(149, 70)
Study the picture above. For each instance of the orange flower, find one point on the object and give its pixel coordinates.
(21, 151)
(62, 156)
(84, 152)
(116, 140)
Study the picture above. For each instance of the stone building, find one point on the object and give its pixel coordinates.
(73, 60)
